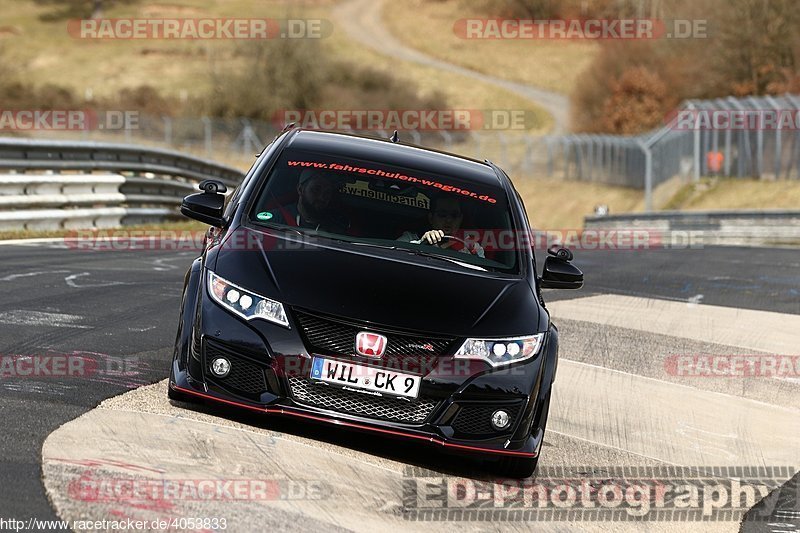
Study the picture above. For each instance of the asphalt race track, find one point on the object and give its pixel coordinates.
(618, 400)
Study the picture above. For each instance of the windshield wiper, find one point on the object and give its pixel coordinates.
(369, 244)
(444, 258)
(281, 227)
(415, 252)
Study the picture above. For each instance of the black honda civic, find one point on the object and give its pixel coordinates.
(379, 286)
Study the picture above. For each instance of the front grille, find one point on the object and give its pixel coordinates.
(304, 391)
(244, 376)
(476, 420)
(404, 351)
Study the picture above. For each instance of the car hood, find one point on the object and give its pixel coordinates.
(389, 289)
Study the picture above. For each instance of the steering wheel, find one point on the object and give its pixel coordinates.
(462, 241)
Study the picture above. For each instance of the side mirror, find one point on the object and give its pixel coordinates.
(558, 272)
(206, 206)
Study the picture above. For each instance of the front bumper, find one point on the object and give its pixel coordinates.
(528, 448)
(457, 406)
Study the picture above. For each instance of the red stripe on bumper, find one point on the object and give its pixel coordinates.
(289, 412)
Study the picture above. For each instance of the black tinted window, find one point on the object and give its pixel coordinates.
(373, 203)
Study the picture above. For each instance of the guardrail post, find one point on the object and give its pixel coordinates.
(589, 159)
(448, 139)
(527, 159)
(778, 138)
(503, 149)
(727, 161)
(250, 142)
(648, 176)
(795, 152)
(696, 148)
(167, 130)
(743, 150)
(478, 140)
(207, 135)
(759, 142)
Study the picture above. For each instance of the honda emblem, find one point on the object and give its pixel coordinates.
(370, 344)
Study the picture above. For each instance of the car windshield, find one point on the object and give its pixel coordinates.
(369, 203)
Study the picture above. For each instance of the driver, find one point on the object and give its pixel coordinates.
(445, 218)
(314, 209)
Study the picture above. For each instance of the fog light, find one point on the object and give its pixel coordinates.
(221, 366)
(500, 420)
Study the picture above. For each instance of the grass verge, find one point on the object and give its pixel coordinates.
(732, 193)
(553, 204)
(428, 27)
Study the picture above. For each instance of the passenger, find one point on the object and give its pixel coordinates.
(314, 208)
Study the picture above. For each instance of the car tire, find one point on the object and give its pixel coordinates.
(517, 467)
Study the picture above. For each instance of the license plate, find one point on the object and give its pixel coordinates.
(365, 378)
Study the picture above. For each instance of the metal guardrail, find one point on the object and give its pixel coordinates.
(36, 154)
(700, 228)
(79, 184)
(675, 150)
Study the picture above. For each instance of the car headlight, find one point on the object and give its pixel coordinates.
(244, 303)
(498, 352)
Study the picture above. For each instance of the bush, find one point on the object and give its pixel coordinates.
(17, 95)
(74, 9)
(636, 104)
(268, 76)
(757, 47)
(146, 99)
(753, 48)
(602, 82)
(278, 75)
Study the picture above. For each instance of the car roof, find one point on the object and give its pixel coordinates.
(395, 154)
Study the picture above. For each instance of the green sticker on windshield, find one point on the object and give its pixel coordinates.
(264, 215)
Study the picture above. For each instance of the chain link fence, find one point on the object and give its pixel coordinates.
(754, 137)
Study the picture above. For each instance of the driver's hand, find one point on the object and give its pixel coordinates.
(433, 236)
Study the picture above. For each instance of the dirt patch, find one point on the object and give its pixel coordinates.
(9, 31)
